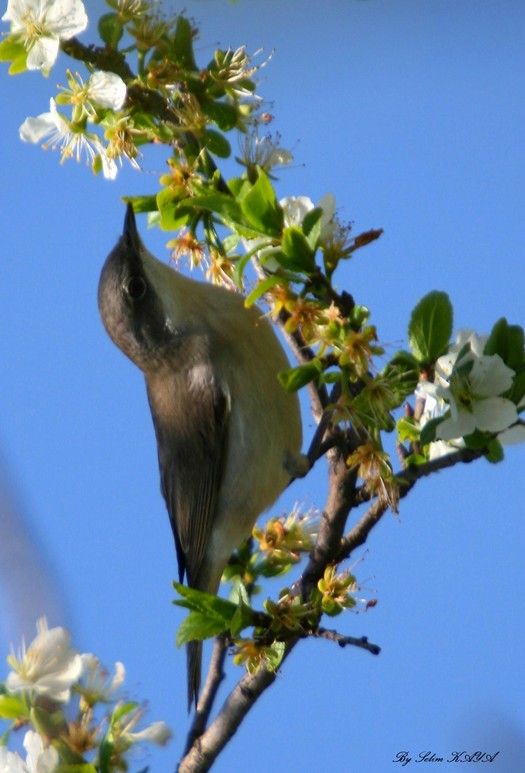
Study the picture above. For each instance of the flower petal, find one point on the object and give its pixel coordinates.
(513, 435)
(107, 89)
(451, 429)
(35, 129)
(494, 414)
(43, 53)
(295, 209)
(65, 18)
(490, 376)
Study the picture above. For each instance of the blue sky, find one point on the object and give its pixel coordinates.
(412, 114)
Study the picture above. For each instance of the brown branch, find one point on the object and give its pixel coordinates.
(331, 547)
(101, 57)
(344, 641)
(407, 478)
(207, 698)
(239, 702)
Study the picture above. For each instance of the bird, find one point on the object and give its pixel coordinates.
(228, 434)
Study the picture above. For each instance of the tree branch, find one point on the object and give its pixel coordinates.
(344, 641)
(239, 702)
(207, 698)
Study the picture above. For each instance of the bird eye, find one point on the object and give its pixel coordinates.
(136, 288)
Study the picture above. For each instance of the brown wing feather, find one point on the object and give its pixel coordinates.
(191, 425)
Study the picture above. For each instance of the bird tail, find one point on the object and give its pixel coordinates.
(194, 658)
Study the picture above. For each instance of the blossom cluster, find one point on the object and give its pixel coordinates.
(469, 393)
(50, 682)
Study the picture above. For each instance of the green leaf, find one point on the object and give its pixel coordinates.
(209, 615)
(407, 429)
(172, 214)
(239, 186)
(293, 379)
(428, 432)
(82, 767)
(274, 655)
(200, 601)
(225, 206)
(198, 626)
(312, 227)
(402, 372)
(19, 65)
(11, 49)
(478, 439)
(142, 203)
(430, 327)
(110, 29)
(298, 255)
(260, 207)
(518, 387)
(243, 618)
(507, 341)
(216, 143)
(223, 114)
(494, 451)
(260, 289)
(183, 44)
(13, 707)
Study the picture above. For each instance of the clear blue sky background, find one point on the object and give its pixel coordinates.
(412, 114)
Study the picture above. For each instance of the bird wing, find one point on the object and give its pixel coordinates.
(191, 423)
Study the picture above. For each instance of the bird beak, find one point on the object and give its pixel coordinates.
(130, 232)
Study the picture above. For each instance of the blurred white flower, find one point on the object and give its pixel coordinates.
(106, 89)
(295, 209)
(39, 760)
(61, 134)
(41, 24)
(157, 732)
(49, 666)
(11, 762)
(96, 686)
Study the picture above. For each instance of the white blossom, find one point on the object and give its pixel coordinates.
(96, 685)
(61, 134)
(157, 732)
(295, 209)
(49, 666)
(39, 759)
(42, 24)
(470, 384)
(106, 89)
(11, 762)
(474, 397)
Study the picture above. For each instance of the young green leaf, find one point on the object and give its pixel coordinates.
(293, 379)
(260, 207)
(259, 290)
(216, 143)
(430, 327)
(507, 341)
(183, 44)
(428, 433)
(297, 255)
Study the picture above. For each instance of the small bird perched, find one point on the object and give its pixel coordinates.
(228, 435)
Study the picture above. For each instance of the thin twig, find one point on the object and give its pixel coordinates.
(344, 641)
(407, 478)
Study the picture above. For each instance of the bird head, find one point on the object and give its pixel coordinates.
(136, 298)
